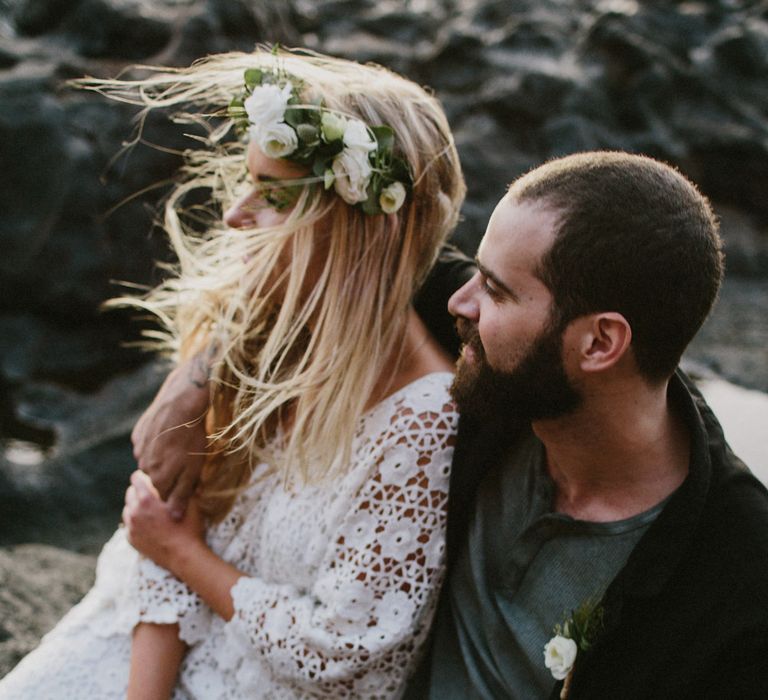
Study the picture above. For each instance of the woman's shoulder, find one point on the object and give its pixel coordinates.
(424, 404)
(432, 390)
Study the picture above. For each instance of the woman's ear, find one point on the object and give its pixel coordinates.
(601, 340)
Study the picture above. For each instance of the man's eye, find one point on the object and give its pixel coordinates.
(489, 288)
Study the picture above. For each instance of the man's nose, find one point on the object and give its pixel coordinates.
(242, 213)
(463, 302)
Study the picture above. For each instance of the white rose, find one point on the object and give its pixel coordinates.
(392, 197)
(352, 172)
(357, 137)
(559, 656)
(333, 126)
(277, 140)
(267, 104)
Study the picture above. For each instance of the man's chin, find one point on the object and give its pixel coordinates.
(469, 389)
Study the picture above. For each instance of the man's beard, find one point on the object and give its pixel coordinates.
(536, 388)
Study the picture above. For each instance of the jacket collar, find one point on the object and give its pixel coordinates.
(658, 553)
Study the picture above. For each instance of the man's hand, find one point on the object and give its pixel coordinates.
(169, 440)
(152, 530)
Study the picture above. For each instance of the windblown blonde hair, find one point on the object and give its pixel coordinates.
(246, 290)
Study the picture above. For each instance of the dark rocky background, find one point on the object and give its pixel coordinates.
(521, 80)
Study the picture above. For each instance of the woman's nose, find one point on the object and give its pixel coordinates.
(242, 213)
(463, 302)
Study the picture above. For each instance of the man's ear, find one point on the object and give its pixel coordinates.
(601, 340)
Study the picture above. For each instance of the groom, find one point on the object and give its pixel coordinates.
(595, 509)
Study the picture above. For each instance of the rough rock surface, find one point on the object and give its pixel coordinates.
(38, 584)
(521, 82)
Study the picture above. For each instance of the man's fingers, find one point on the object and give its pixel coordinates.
(162, 477)
(183, 491)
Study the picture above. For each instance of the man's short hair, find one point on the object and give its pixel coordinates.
(636, 237)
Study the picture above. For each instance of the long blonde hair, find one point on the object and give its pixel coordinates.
(245, 289)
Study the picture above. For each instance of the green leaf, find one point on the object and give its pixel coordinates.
(294, 117)
(253, 77)
(324, 155)
(371, 206)
(385, 138)
(308, 134)
(303, 155)
(320, 165)
(398, 170)
(236, 109)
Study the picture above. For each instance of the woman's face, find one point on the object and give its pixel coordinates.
(264, 205)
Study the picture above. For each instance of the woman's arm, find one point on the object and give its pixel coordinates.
(178, 546)
(156, 654)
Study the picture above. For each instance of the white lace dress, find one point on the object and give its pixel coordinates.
(340, 586)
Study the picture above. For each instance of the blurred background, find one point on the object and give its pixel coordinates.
(521, 80)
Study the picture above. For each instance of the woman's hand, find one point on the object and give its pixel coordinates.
(151, 528)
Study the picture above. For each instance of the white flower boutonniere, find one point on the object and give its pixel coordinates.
(578, 633)
(559, 655)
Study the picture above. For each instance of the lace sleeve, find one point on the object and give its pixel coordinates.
(357, 630)
(164, 599)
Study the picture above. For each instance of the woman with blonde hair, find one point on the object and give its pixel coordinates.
(308, 564)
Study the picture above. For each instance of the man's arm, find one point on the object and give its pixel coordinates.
(169, 440)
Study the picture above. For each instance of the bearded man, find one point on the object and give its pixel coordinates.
(603, 540)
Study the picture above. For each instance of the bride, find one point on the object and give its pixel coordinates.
(308, 564)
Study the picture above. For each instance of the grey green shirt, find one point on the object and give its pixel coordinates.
(522, 570)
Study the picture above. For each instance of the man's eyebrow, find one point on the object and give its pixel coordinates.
(263, 177)
(487, 273)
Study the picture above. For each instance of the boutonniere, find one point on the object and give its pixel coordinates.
(577, 633)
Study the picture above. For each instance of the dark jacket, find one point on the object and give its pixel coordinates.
(687, 616)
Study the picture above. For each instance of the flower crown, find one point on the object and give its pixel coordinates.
(342, 152)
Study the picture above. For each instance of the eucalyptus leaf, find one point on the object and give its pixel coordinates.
(294, 117)
(308, 134)
(319, 166)
(253, 77)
